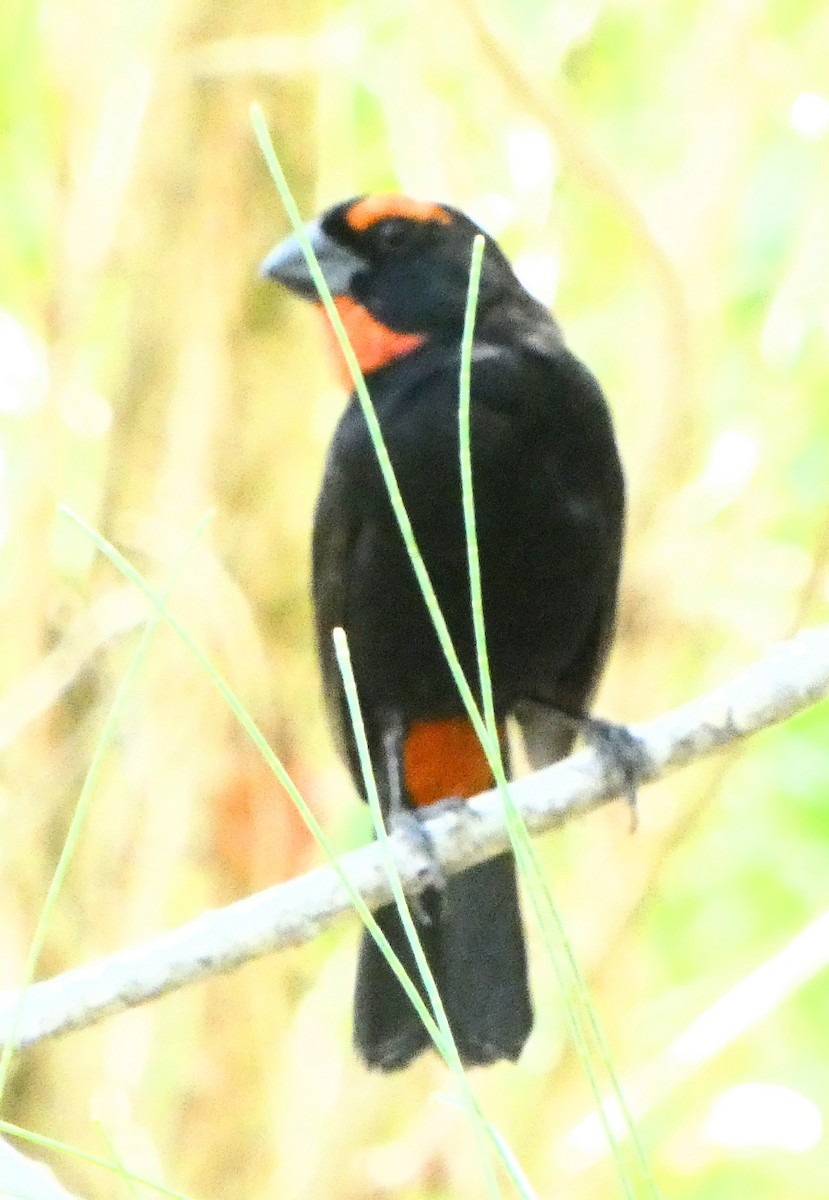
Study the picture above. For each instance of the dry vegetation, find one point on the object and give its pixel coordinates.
(659, 173)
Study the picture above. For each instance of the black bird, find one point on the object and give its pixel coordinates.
(549, 510)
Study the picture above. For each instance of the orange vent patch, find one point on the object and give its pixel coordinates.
(443, 759)
(374, 344)
(369, 211)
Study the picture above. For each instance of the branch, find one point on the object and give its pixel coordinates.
(113, 615)
(597, 177)
(583, 160)
(731, 1015)
(792, 677)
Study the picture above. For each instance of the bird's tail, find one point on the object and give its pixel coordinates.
(472, 935)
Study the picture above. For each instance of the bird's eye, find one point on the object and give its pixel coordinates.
(392, 233)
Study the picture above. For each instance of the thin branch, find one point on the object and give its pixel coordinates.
(731, 1015)
(585, 162)
(113, 615)
(792, 677)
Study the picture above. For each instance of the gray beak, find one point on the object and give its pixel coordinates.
(286, 264)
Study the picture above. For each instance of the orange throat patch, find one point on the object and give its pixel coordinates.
(373, 343)
(443, 760)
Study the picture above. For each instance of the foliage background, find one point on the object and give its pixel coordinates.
(658, 173)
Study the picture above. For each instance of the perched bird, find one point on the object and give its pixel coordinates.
(549, 512)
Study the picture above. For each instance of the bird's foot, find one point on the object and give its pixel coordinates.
(409, 825)
(622, 753)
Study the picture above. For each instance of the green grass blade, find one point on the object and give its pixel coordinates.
(578, 1005)
(250, 727)
(519, 838)
(399, 508)
(48, 1143)
(79, 816)
(439, 1032)
(442, 1034)
(465, 440)
(117, 1162)
(252, 730)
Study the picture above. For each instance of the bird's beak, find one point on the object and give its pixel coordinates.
(286, 264)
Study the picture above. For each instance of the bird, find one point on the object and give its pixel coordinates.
(549, 503)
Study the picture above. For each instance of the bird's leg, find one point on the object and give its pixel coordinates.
(393, 763)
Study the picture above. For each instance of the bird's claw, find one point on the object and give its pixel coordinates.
(623, 753)
(409, 825)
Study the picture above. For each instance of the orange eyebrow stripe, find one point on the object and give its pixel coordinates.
(443, 759)
(371, 209)
(374, 344)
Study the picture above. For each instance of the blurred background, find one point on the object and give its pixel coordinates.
(658, 173)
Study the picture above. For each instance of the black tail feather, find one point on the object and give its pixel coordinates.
(474, 943)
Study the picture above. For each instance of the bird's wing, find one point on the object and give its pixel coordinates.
(336, 530)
